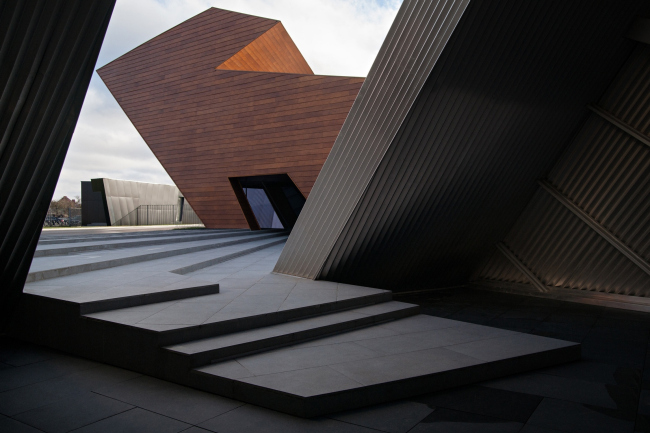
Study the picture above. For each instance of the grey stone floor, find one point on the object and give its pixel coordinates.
(608, 391)
(40, 264)
(413, 347)
(154, 275)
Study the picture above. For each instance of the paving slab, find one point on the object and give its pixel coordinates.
(574, 417)
(136, 421)
(255, 419)
(72, 413)
(445, 420)
(397, 417)
(168, 399)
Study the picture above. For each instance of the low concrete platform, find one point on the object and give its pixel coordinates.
(236, 329)
(381, 363)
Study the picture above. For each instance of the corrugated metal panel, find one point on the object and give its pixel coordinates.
(48, 51)
(123, 196)
(605, 173)
(564, 252)
(629, 98)
(498, 268)
(414, 43)
(504, 99)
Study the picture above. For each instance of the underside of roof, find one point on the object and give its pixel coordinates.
(467, 107)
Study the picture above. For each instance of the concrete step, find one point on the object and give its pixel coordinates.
(199, 318)
(80, 238)
(184, 270)
(99, 245)
(147, 299)
(210, 350)
(50, 267)
(380, 363)
(109, 300)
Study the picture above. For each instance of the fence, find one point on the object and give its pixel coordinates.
(69, 217)
(147, 215)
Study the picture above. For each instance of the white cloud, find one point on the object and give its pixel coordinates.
(337, 37)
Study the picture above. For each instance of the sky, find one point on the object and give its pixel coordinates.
(336, 37)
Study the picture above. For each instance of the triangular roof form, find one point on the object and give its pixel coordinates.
(274, 51)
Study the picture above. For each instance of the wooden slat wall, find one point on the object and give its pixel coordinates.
(206, 125)
(274, 51)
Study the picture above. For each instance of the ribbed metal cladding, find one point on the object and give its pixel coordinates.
(605, 173)
(504, 99)
(629, 98)
(497, 267)
(48, 50)
(564, 252)
(414, 43)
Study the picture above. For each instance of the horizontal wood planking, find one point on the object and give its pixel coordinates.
(206, 125)
(274, 51)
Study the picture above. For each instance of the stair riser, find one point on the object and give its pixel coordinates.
(147, 299)
(57, 324)
(375, 394)
(110, 237)
(137, 244)
(222, 354)
(183, 335)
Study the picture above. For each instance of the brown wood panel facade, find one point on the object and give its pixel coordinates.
(274, 51)
(227, 95)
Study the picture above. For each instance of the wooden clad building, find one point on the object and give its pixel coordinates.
(225, 96)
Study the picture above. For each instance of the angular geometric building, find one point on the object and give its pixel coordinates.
(227, 103)
(123, 202)
(504, 144)
(498, 144)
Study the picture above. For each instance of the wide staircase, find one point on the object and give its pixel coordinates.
(206, 312)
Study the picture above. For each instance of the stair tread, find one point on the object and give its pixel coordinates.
(107, 259)
(366, 361)
(280, 296)
(222, 341)
(100, 245)
(42, 264)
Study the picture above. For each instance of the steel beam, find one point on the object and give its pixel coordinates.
(523, 268)
(597, 227)
(620, 124)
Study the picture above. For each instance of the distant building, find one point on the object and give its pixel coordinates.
(116, 202)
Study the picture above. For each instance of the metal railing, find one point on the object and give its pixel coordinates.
(63, 218)
(148, 215)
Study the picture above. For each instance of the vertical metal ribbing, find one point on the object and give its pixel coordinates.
(532, 278)
(51, 72)
(589, 226)
(597, 227)
(492, 118)
(620, 124)
(411, 49)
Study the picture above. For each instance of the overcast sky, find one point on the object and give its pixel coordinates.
(337, 37)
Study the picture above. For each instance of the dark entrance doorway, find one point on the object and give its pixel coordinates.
(271, 201)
